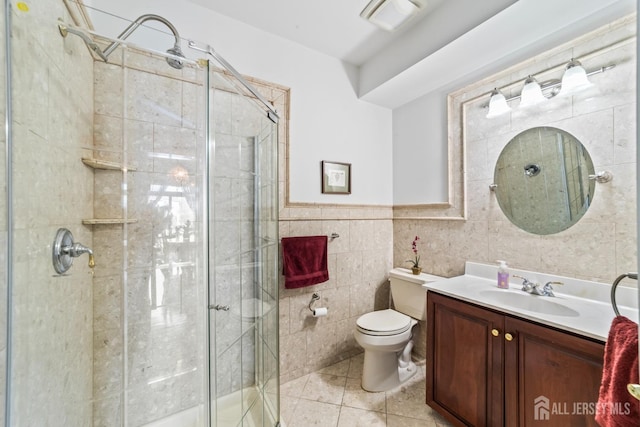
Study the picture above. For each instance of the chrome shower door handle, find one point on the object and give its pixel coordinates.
(219, 307)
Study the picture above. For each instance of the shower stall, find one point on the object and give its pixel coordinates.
(161, 162)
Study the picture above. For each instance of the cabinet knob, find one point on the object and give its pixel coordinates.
(508, 337)
(495, 332)
(634, 390)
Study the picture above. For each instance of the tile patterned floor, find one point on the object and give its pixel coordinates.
(332, 397)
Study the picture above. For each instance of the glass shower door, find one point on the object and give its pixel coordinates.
(4, 185)
(244, 258)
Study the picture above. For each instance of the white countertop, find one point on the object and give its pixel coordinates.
(587, 304)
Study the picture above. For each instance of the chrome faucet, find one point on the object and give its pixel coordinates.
(536, 289)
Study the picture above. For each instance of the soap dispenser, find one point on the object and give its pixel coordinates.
(503, 275)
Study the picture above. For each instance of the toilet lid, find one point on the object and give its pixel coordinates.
(383, 322)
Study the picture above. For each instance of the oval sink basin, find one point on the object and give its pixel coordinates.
(533, 303)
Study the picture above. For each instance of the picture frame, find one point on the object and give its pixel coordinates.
(335, 177)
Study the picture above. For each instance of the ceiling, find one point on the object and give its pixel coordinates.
(333, 27)
(449, 44)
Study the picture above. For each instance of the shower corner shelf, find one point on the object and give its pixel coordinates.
(107, 221)
(105, 164)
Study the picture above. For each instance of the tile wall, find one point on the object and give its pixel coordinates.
(52, 315)
(358, 263)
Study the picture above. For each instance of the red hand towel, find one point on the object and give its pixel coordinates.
(304, 261)
(616, 407)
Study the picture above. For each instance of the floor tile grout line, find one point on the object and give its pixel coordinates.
(343, 407)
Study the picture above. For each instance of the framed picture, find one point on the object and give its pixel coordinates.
(336, 178)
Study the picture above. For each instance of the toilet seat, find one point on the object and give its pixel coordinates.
(383, 323)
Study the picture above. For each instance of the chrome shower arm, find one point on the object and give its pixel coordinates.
(64, 30)
(134, 26)
(272, 113)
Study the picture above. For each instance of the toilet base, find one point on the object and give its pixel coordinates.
(382, 372)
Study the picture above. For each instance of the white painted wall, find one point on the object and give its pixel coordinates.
(328, 121)
(420, 151)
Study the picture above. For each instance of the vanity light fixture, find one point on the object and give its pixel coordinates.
(389, 14)
(574, 79)
(497, 104)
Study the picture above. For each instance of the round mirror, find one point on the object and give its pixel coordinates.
(542, 180)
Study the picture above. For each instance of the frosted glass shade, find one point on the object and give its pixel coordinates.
(497, 104)
(574, 79)
(531, 93)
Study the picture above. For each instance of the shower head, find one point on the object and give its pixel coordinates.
(175, 62)
(175, 50)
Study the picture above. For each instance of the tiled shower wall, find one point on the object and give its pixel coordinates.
(52, 315)
(148, 320)
(603, 243)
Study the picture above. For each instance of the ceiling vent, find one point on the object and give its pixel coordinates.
(390, 14)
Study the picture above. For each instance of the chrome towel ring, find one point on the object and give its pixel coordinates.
(615, 285)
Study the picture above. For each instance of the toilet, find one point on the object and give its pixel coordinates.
(386, 335)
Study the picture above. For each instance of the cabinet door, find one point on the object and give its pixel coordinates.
(552, 378)
(464, 362)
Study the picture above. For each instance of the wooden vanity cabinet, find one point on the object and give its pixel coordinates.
(486, 368)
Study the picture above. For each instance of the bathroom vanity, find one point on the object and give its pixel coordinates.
(507, 358)
(487, 368)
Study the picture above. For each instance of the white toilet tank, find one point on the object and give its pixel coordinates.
(409, 297)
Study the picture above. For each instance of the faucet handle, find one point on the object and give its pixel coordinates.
(526, 283)
(548, 289)
(64, 249)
